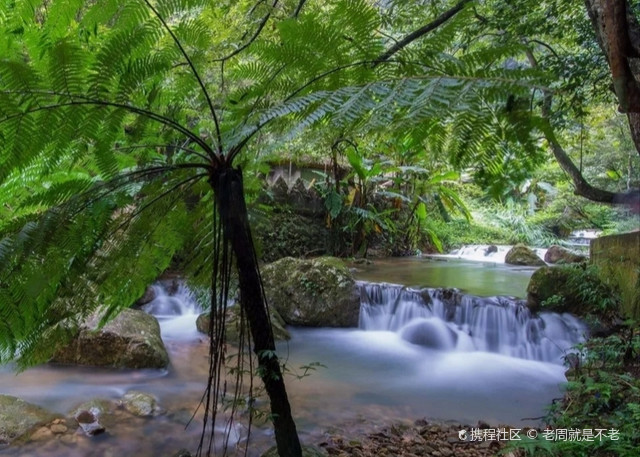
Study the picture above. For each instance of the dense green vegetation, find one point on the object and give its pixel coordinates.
(132, 133)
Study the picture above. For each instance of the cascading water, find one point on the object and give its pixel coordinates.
(485, 253)
(176, 312)
(448, 320)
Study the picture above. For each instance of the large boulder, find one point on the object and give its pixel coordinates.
(19, 418)
(278, 325)
(550, 285)
(131, 340)
(316, 292)
(522, 255)
(572, 289)
(432, 333)
(558, 254)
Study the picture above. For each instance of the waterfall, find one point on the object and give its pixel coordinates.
(176, 310)
(485, 253)
(446, 319)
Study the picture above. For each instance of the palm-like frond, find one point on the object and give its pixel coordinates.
(111, 113)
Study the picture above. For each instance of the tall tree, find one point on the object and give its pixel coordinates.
(559, 39)
(617, 28)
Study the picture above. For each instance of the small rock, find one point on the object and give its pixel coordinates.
(85, 417)
(42, 434)
(490, 249)
(58, 428)
(88, 421)
(69, 439)
(140, 404)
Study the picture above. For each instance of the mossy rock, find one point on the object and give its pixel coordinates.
(571, 289)
(131, 340)
(278, 325)
(307, 451)
(287, 233)
(99, 406)
(140, 404)
(318, 292)
(522, 255)
(19, 418)
(548, 282)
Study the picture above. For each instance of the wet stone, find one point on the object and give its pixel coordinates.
(58, 428)
(69, 439)
(42, 434)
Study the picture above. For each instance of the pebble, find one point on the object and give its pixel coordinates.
(69, 439)
(43, 433)
(419, 440)
(58, 428)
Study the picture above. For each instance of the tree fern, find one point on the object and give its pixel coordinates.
(120, 128)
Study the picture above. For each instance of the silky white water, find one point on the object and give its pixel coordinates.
(485, 253)
(382, 372)
(450, 321)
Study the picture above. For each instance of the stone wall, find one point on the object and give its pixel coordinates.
(295, 226)
(624, 248)
(619, 258)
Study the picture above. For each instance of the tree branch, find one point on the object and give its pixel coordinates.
(195, 74)
(83, 100)
(263, 22)
(159, 197)
(444, 17)
(299, 8)
(581, 186)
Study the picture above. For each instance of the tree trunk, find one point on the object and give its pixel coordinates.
(618, 33)
(229, 194)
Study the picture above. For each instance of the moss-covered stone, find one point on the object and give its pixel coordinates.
(278, 325)
(522, 255)
(140, 404)
(307, 451)
(547, 282)
(572, 289)
(131, 340)
(286, 233)
(19, 418)
(318, 292)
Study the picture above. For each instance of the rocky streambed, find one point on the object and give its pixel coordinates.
(367, 380)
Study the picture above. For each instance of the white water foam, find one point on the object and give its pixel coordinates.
(447, 320)
(176, 313)
(485, 253)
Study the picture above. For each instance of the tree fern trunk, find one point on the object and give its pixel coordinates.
(229, 194)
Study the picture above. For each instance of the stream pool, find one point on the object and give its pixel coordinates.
(367, 377)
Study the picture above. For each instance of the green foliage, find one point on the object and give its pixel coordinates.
(458, 232)
(603, 393)
(514, 219)
(578, 289)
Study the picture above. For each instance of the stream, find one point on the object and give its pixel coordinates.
(418, 353)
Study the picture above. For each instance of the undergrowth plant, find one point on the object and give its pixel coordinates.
(603, 393)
